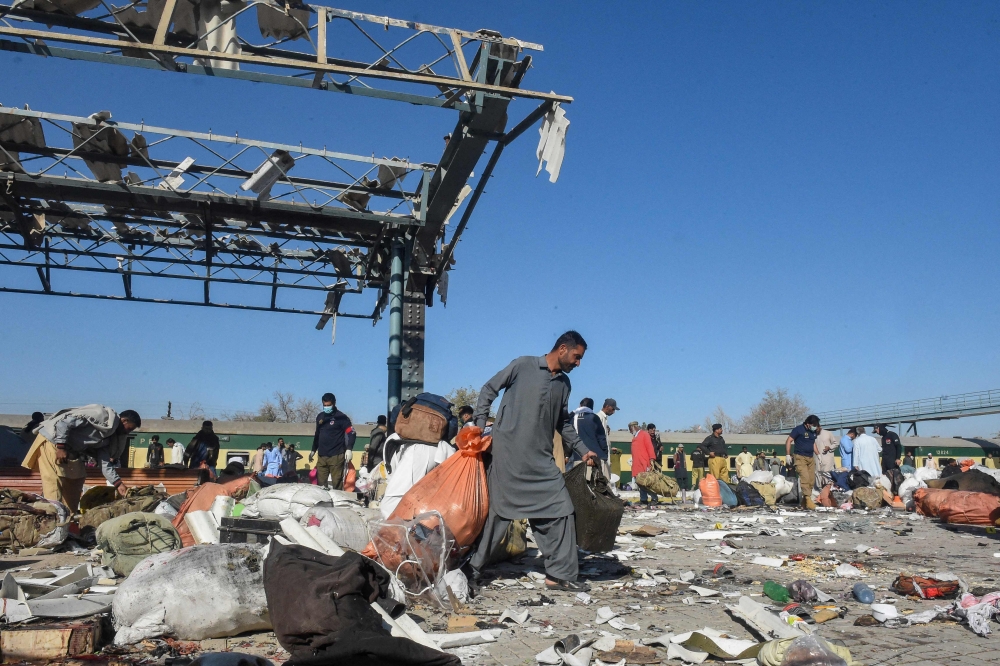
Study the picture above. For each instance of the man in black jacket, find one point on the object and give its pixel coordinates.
(334, 440)
(376, 442)
(892, 448)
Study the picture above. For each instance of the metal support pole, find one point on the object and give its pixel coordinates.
(395, 360)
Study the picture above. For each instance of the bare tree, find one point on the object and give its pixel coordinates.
(776, 410)
(285, 407)
(465, 395)
(306, 410)
(720, 416)
(693, 428)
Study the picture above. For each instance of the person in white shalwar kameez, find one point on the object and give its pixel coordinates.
(866, 454)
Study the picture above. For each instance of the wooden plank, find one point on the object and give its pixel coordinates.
(321, 35)
(161, 30)
(174, 480)
(463, 67)
(47, 642)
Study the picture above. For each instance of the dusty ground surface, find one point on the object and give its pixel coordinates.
(907, 544)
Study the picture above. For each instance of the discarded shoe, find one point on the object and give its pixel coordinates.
(566, 585)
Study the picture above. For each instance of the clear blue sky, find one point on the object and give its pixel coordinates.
(754, 195)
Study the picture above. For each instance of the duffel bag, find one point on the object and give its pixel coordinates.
(425, 418)
(598, 511)
(859, 478)
(131, 538)
(655, 482)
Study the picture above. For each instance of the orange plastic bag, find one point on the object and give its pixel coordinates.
(351, 478)
(201, 498)
(826, 497)
(709, 487)
(929, 500)
(456, 489)
(965, 508)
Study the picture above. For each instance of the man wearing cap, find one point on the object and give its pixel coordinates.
(718, 453)
(65, 441)
(609, 408)
(334, 441)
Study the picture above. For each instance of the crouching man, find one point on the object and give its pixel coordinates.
(524, 481)
(64, 441)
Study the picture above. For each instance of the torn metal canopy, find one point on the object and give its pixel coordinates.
(289, 43)
(133, 200)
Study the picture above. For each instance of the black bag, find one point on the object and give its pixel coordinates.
(436, 402)
(859, 478)
(598, 511)
(895, 478)
(748, 495)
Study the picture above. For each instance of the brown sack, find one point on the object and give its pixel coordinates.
(928, 501)
(970, 508)
(866, 498)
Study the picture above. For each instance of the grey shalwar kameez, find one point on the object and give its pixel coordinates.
(524, 481)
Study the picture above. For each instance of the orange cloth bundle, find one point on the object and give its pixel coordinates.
(201, 498)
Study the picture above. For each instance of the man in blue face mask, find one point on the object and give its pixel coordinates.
(334, 441)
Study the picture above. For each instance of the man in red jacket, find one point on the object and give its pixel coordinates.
(642, 458)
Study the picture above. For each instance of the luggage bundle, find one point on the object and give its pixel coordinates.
(28, 520)
(655, 482)
(131, 538)
(866, 498)
(425, 418)
(142, 499)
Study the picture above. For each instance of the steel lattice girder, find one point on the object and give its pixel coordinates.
(191, 217)
(221, 47)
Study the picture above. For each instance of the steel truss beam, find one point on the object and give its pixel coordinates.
(401, 72)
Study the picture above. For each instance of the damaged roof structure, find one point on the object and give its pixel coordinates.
(252, 220)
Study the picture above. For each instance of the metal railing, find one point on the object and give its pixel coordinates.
(909, 411)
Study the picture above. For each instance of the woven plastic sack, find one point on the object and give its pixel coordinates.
(210, 591)
(709, 487)
(928, 501)
(964, 508)
(866, 498)
(347, 526)
(598, 511)
(129, 539)
(925, 473)
(782, 486)
(761, 476)
(456, 489)
(285, 500)
(351, 478)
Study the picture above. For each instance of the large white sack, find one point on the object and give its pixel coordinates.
(782, 486)
(347, 526)
(884, 482)
(907, 487)
(925, 473)
(761, 476)
(285, 500)
(195, 593)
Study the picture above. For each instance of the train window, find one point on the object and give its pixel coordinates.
(732, 463)
(242, 456)
(670, 462)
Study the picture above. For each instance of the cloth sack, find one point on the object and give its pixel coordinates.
(347, 526)
(286, 500)
(826, 497)
(28, 520)
(131, 538)
(748, 495)
(322, 610)
(767, 491)
(655, 482)
(926, 473)
(761, 476)
(456, 489)
(709, 487)
(598, 511)
(137, 500)
(866, 498)
(964, 508)
(513, 543)
(782, 486)
(209, 591)
(928, 501)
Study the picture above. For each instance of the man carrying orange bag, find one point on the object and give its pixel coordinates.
(524, 481)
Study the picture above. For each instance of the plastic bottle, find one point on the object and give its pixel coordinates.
(776, 592)
(863, 593)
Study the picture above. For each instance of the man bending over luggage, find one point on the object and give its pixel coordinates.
(65, 440)
(523, 479)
